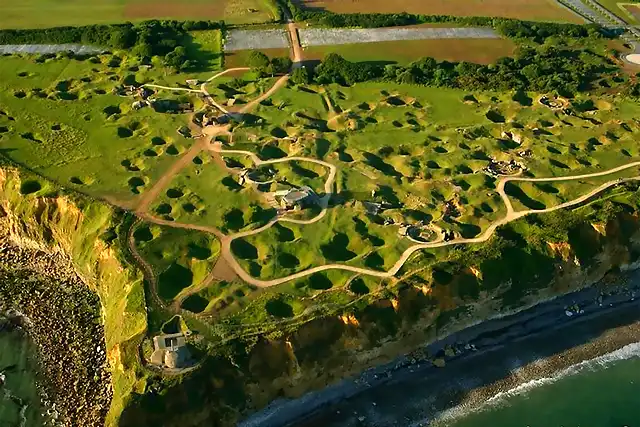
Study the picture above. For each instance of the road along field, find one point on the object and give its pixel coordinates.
(53, 13)
(540, 10)
(480, 51)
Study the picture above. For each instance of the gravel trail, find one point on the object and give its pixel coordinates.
(324, 37)
(49, 48)
(256, 39)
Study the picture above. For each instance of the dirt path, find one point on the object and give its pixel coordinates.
(151, 194)
(296, 47)
(511, 216)
(280, 83)
(146, 268)
(203, 87)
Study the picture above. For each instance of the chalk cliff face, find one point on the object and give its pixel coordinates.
(57, 270)
(61, 265)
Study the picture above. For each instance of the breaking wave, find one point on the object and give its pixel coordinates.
(627, 352)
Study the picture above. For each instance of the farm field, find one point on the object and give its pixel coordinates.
(630, 12)
(540, 10)
(627, 11)
(480, 51)
(54, 13)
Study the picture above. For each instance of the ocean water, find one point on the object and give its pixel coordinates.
(19, 398)
(603, 392)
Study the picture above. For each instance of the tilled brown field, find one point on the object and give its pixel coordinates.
(541, 10)
(634, 9)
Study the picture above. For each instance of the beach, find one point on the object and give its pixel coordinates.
(489, 358)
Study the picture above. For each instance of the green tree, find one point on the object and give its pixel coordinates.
(258, 60)
(301, 76)
(281, 65)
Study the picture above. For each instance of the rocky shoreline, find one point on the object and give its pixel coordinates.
(42, 294)
(535, 342)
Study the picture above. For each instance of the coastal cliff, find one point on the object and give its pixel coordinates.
(63, 268)
(438, 294)
(63, 281)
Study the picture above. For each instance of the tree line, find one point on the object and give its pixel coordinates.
(542, 69)
(145, 39)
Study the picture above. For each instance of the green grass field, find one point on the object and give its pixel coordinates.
(61, 119)
(180, 258)
(406, 51)
(54, 13)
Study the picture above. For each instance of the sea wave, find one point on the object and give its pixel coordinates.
(627, 352)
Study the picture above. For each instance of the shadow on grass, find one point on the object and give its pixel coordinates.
(516, 192)
(279, 308)
(199, 252)
(173, 280)
(195, 303)
(358, 287)
(337, 249)
(244, 250)
(320, 282)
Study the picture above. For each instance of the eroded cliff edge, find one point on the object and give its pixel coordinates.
(60, 272)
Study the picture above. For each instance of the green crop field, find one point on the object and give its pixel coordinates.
(54, 13)
(405, 51)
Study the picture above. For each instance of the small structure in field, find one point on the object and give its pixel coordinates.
(498, 168)
(170, 351)
(193, 82)
(512, 136)
(138, 105)
(298, 198)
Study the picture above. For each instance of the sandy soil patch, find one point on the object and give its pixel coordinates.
(544, 10)
(634, 58)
